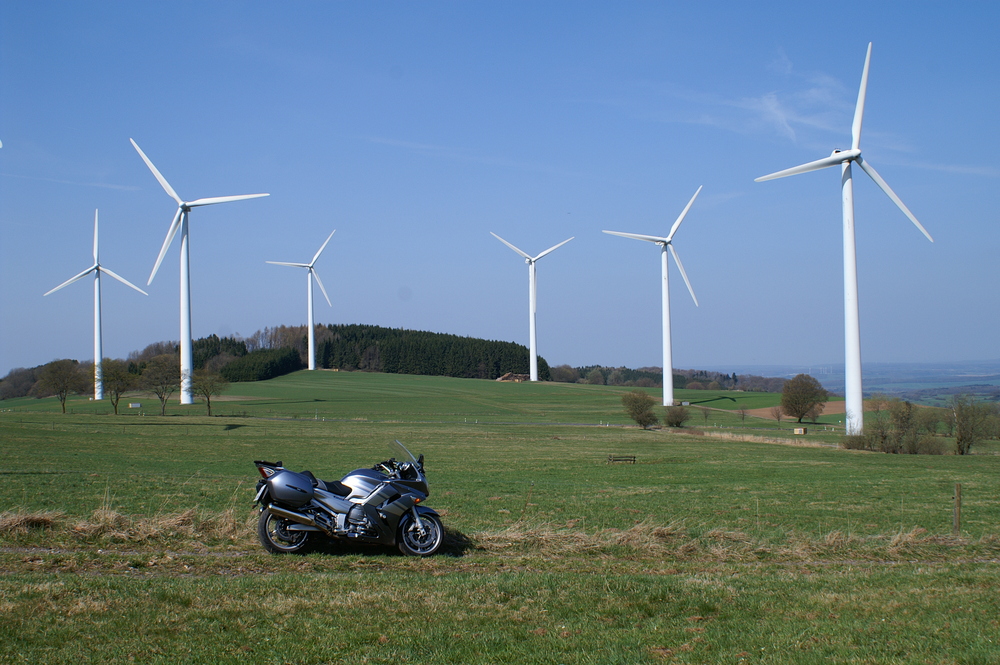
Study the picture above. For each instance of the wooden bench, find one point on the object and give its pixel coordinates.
(629, 459)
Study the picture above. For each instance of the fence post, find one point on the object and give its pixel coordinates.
(956, 519)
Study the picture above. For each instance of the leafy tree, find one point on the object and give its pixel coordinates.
(117, 380)
(564, 374)
(18, 382)
(60, 378)
(801, 396)
(595, 377)
(676, 416)
(639, 407)
(262, 365)
(162, 377)
(208, 385)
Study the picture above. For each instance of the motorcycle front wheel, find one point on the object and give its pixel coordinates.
(276, 538)
(412, 543)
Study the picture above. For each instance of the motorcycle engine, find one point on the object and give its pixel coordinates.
(356, 516)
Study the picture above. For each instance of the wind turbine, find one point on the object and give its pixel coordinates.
(852, 325)
(309, 295)
(97, 269)
(532, 300)
(180, 223)
(665, 243)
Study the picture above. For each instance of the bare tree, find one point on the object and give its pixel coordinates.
(777, 413)
(60, 378)
(208, 385)
(801, 396)
(704, 414)
(971, 422)
(117, 380)
(742, 411)
(162, 377)
(927, 419)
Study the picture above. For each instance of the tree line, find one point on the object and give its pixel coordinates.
(652, 377)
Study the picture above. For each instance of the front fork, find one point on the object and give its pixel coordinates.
(418, 522)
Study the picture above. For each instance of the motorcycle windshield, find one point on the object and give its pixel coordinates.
(400, 452)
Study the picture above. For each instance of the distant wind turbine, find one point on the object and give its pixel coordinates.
(97, 269)
(309, 295)
(180, 223)
(532, 300)
(665, 243)
(852, 324)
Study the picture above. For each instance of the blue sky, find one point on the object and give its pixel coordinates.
(415, 129)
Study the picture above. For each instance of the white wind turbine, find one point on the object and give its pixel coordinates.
(180, 223)
(532, 300)
(665, 243)
(852, 325)
(97, 269)
(309, 295)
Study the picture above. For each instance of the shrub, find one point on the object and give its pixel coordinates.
(639, 407)
(676, 416)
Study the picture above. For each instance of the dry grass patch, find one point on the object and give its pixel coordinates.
(21, 522)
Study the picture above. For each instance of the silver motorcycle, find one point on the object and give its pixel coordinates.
(382, 505)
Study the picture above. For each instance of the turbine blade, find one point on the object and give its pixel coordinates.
(859, 110)
(321, 250)
(159, 176)
(171, 232)
(680, 218)
(321, 287)
(680, 266)
(73, 279)
(884, 186)
(510, 245)
(637, 236)
(832, 160)
(96, 260)
(552, 249)
(122, 280)
(294, 265)
(222, 199)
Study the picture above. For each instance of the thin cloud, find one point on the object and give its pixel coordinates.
(101, 185)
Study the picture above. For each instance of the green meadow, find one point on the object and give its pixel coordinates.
(131, 538)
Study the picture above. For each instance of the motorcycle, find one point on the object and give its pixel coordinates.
(381, 505)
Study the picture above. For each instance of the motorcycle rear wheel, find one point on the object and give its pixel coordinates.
(412, 543)
(276, 538)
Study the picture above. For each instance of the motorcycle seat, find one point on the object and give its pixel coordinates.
(332, 486)
(336, 487)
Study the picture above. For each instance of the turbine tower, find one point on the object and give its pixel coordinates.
(180, 223)
(309, 295)
(665, 243)
(852, 325)
(97, 269)
(532, 301)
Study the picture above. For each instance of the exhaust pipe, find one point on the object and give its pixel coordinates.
(289, 515)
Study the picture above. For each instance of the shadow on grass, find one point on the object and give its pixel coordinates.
(712, 399)
(456, 544)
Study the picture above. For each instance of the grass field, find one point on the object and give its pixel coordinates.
(131, 538)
